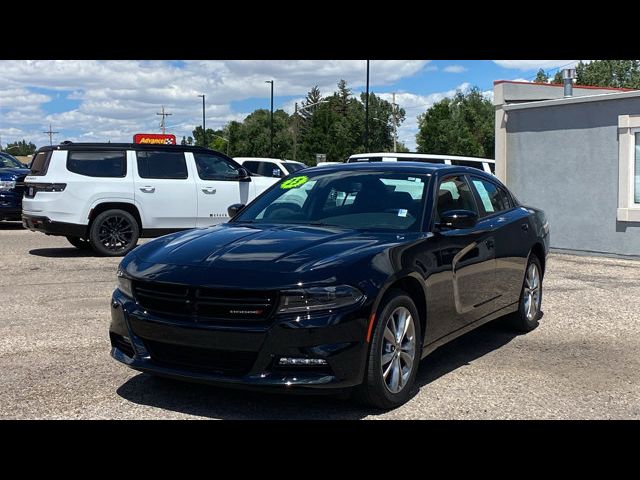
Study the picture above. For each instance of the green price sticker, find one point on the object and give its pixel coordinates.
(294, 182)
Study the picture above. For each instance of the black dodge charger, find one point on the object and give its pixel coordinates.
(340, 276)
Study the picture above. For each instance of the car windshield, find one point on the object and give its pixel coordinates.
(7, 161)
(348, 199)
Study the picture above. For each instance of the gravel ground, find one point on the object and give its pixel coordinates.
(583, 362)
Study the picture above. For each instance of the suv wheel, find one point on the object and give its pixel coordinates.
(394, 354)
(79, 242)
(529, 311)
(114, 233)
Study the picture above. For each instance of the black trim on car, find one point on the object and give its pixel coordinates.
(52, 227)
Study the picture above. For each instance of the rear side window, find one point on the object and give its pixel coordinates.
(98, 164)
(493, 199)
(40, 163)
(251, 166)
(468, 163)
(160, 164)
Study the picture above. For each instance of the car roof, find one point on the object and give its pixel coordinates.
(126, 146)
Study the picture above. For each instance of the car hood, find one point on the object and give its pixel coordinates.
(256, 250)
(12, 173)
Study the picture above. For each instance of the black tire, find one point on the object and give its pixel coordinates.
(114, 233)
(374, 391)
(524, 320)
(80, 243)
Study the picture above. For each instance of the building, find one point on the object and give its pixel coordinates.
(576, 157)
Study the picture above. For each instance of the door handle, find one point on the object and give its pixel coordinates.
(490, 244)
(525, 227)
(209, 190)
(148, 189)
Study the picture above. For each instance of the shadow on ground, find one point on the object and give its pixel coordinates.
(63, 252)
(11, 225)
(215, 402)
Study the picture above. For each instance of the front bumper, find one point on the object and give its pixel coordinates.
(140, 340)
(10, 206)
(51, 227)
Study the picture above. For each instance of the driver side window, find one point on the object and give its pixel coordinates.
(212, 167)
(454, 194)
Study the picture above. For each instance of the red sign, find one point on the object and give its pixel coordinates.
(154, 138)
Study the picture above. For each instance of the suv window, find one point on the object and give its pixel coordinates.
(468, 163)
(159, 164)
(493, 199)
(98, 164)
(269, 169)
(454, 193)
(294, 167)
(213, 167)
(40, 163)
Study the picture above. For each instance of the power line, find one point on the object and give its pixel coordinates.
(547, 72)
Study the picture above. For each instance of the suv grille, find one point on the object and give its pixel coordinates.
(202, 304)
(226, 362)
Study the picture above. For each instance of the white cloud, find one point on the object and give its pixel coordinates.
(119, 98)
(454, 69)
(534, 64)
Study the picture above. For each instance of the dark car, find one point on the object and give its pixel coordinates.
(12, 173)
(339, 276)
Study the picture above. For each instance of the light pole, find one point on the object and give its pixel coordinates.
(366, 114)
(225, 139)
(271, 121)
(295, 120)
(204, 136)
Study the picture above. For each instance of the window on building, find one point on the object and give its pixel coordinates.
(628, 168)
(636, 193)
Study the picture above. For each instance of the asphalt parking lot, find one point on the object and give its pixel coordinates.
(582, 362)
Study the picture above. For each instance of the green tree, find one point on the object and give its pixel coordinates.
(609, 73)
(184, 141)
(462, 125)
(21, 148)
(251, 138)
(541, 77)
(557, 78)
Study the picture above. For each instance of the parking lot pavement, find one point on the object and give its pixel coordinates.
(582, 362)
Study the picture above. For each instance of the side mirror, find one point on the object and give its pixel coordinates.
(244, 175)
(233, 210)
(458, 219)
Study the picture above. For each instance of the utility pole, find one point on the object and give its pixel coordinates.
(204, 136)
(366, 114)
(394, 110)
(271, 122)
(51, 133)
(296, 125)
(162, 122)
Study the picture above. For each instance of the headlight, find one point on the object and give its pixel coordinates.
(6, 185)
(318, 298)
(124, 284)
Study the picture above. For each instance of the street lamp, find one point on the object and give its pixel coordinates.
(366, 114)
(295, 122)
(203, 124)
(271, 122)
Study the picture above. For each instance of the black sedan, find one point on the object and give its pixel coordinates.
(12, 173)
(337, 277)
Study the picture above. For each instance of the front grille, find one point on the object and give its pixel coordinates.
(198, 304)
(225, 362)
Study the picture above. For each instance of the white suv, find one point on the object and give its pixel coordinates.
(270, 167)
(106, 195)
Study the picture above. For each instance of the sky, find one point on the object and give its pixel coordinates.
(100, 101)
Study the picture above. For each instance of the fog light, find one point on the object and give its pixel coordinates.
(302, 361)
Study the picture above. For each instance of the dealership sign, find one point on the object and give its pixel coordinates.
(154, 138)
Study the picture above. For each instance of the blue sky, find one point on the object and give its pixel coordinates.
(111, 100)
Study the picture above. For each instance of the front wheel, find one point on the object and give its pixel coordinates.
(529, 307)
(394, 354)
(114, 233)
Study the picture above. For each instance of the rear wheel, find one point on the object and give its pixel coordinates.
(80, 243)
(529, 308)
(394, 354)
(114, 233)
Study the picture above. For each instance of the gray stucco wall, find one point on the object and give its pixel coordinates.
(564, 159)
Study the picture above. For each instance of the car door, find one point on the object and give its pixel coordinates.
(465, 288)
(510, 226)
(164, 190)
(218, 185)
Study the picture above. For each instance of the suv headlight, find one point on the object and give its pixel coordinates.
(313, 299)
(124, 284)
(6, 185)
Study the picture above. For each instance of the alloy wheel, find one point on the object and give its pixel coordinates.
(398, 349)
(115, 233)
(532, 289)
